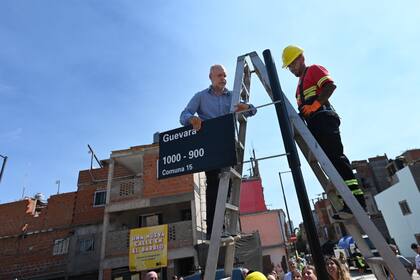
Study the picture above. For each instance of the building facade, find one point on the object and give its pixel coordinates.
(85, 234)
(270, 224)
(401, 208)
(54, 239)
(135, 198)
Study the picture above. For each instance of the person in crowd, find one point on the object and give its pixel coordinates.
(335, 269)
(255, 275)
(152, 275)
(309, 273)
(416, 249)
(292, 268)
(343, 260)
(296, 275)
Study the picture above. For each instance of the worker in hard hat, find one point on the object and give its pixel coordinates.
(314, 89)
(255, 275)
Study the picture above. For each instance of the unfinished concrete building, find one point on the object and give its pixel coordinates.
(135, 198)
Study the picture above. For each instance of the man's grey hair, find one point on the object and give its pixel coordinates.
(214, 66)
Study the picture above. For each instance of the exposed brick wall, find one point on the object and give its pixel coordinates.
(171, 186)
(84, 212)
(31, 255)
(12, 217)
(89, 177)
(29, 252)
(411, 155)
(59, 211)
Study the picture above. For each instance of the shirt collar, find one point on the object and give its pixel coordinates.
(225, 91)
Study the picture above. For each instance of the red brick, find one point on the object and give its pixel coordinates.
(171, 186)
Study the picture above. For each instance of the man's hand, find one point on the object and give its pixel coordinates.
(307, 110)
(241, 107)
(196, 123)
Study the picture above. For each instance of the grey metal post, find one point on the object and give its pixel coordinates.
(285, 202)
(2, 166)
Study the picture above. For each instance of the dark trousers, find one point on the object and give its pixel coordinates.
(211, 197)
(325, 128)
(212, 190)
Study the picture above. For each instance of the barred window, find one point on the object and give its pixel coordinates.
(99, 198)
(86, 245)
(61, 246)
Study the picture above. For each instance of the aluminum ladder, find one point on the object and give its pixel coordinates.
(333, 184)
(227, 212)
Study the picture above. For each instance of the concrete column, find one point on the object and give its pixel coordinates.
(103, 273)
(107, 274)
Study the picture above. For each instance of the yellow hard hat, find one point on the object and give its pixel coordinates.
(290, 53)
(256, 275)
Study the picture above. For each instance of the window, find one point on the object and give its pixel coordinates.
(99, 198)
(127, 188)
(405, 209)
(86, 245)
(150, 220)
(61, 246)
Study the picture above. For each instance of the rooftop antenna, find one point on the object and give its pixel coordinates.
(58, 186)
(2, 166)
(93, 156)
(25, 181)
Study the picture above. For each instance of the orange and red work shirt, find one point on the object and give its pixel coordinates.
(316, 76)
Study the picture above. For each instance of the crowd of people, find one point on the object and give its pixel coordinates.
(298, 269)
(337, 269)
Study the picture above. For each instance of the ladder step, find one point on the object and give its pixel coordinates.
(240, 145)
(232, 207)
(242, 118)
(229, 240)
(375, 260)
(235, 174)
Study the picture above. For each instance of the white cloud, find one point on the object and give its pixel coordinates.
(11, 135)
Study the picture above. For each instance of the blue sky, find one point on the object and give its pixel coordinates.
(112, 73)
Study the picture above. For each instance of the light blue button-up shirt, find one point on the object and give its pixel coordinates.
(208, 105)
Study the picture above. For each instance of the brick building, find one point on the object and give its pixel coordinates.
(327, 228)
(63, 238)
(57, 239)
(135, 198)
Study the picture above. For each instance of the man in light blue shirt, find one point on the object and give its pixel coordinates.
(209, 103)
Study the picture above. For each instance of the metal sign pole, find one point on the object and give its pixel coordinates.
(294, 164)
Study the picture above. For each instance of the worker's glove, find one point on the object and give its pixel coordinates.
(196, 123)
(241, 107)
(307, 110)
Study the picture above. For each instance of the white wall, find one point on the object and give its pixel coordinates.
(402, 228)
